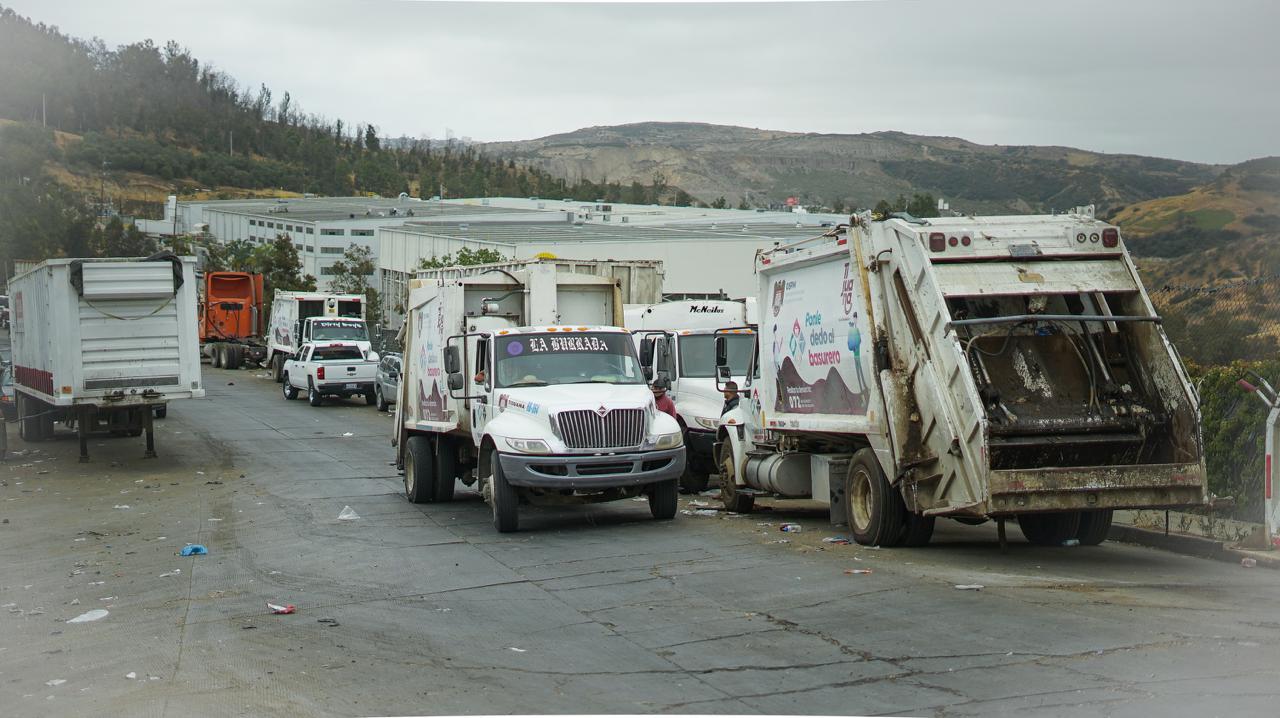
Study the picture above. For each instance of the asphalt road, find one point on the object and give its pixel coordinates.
(425, 609)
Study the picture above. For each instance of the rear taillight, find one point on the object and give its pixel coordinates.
(966, 241)
(953, 242)
(319, 372)
(1110, 237)
(937, 242)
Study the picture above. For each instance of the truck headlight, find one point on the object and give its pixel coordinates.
(669, 441)
(529, 446)
(707, 422)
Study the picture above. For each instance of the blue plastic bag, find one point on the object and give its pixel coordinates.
(194, 549)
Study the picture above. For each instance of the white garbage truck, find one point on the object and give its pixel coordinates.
(103, 344)
(301, 317)
(518, 377)
(676, 341)
(964, 367)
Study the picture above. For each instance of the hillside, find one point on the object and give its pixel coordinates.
(765, 166)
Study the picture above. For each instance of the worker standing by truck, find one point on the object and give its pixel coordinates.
(660, 398)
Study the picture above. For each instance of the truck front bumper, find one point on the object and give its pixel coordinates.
(587, 473)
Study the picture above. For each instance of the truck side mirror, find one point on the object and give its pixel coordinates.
(457, 382)
(648, 372)
(646, 351)
(722, 353)
(452, 361)
(724, 372)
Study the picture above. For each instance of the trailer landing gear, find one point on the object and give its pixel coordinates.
(148, 426)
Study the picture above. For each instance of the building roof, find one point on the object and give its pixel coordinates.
(563, 231)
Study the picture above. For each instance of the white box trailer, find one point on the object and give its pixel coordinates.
(103, 343)
(521, 380)
(639, 281)
(290, 312)
(966, 367)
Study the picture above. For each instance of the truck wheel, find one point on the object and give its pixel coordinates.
(235, 357)
(381, 402)
(733, 499)
(446, 469)
(290, 391)
(215, 356)
(162, 411)
(1094, 527)
(916, 529)
(370, 398)
(419, 470)
(875, 508)
(277, 367)
(1049, 529)
(29, 423)
(664, 499)
(503, 498)
(693, 481)
(314, 397)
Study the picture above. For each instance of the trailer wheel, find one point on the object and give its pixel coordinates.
(733, 499)
(664, 499)
(162, 411)
(380, 400)
(30, 423)
(1094, 527)
(314, 397)
(503, 498)
(277, 367)
(916, 529)
(419, 470)
(875, 508)
(446, 468)
(215, 356)
(290, 391)
(1049, 529)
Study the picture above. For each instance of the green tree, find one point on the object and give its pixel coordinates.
(743, 204)
(351, 276)
(466, 258)
(278, 264)
(883, 208)
(117, 240)
(720, 202)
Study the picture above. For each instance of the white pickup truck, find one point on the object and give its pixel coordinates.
(330, 369)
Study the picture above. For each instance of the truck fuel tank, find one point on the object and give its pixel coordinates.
(785, 474)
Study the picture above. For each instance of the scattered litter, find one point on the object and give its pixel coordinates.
(712, 493)
(131, 675)
(706, 512)
(74, 602)
(348, 514)
(443, 610)
(781, 541)
(763, 523)
(194, 549)
(517, 650)
(87, 616)
(695, 502)
(969, 587)
(120, 506)
(231, 383)
(215, 519)
(640, 498)
(836, 540)
(174, 572)
(273, 573)
(1249, 562)
(857, 571)
(81, 539)
(247, 628)
(213, 483)
(1071, 542)
(790, 528)
(330, 622)
(55, 682)
(287, 608)
(348, 434)
(108, 598)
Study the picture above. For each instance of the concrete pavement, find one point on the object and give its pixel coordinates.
(586, 610)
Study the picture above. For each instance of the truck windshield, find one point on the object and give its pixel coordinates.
(571, 358)
(698, 354)
(338, 331)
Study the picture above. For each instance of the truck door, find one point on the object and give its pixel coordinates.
(481, 382)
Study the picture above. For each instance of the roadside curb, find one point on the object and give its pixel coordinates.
(1188, 545)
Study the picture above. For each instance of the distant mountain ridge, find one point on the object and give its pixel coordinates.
(767, 166)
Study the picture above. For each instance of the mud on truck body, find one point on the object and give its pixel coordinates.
(964, 367)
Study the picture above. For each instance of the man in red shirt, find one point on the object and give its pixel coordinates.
(660, 398)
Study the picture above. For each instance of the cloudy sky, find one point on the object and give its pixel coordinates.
(1188, 80)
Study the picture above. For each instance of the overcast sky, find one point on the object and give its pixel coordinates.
(1188, 80)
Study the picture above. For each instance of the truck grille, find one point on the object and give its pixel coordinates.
(586, 429)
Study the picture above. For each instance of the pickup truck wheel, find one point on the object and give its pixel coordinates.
(314, 397)
(503, 498)
(290, 391)
(916, 529)
(733, 499)
(419, 470)
(664, 499)
(381, 402)
(875, 508)
(446, 469)
(1094, 527)
(277, 368)
(371, 397)
(1049, 529)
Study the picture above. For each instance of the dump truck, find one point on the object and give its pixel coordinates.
(231, 319)
(518, 378)
(102, 344)
(971, 368)
(290, 315)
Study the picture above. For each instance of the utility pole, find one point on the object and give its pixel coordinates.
(231, 143)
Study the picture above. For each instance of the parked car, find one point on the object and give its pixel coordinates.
(330, 369)
(386, 386)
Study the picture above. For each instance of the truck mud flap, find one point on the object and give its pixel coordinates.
(1108, 487)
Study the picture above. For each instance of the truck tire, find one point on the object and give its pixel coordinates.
(875, 509)
(446, 469)
(371, 398)
(235, 357)
(664, 499)
(31, 424)
(1049, 529)
(162, 411)
(277, 367)
(314, 397)
(916, 529)
(419, 470)
(290, 391)
(733, 499)
(1094, 527)
(381, 402)
(503, 498)
(215, 356)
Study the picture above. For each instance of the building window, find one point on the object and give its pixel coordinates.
(310, 248)
(328, 271)
(297, 245)
(362, 233)
(253, 223)
(333, 232)
(311, 230)
(331, 250)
